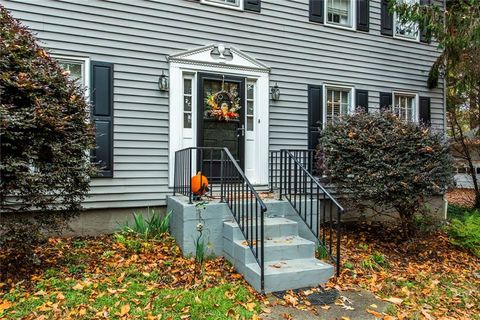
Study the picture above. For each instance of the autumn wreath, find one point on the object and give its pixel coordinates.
(222, 106)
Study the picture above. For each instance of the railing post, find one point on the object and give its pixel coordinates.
(281, 173)
(175, 168)
(339, 214)
(262, 250)
(189, 180)
(221, 175)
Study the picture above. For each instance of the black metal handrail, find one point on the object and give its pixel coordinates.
(305, 156)
(315, 205)
(219, 165)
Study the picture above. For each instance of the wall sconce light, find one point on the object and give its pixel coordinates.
(163, 82)
(275, 92)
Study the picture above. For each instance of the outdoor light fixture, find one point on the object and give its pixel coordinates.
(275, 91)
(163, 82)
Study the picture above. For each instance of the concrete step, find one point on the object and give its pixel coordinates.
(280, 248)
(273, 228)
(289, 274)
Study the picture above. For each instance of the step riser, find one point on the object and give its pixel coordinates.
(272, 253)
(232, 231)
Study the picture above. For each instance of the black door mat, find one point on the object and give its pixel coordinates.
(318, 297)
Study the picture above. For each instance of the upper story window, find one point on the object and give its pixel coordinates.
(340, 13)
(338, 103)
(405, 106)
(408, 30)
(237, 4)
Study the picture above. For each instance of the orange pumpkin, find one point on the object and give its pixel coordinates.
(199, 184)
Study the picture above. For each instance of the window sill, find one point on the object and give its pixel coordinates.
(417, 40)
(221, 5)
(336, 26)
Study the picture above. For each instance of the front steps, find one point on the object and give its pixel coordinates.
(290, 261)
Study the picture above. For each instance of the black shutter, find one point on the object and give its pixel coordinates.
(363, 15)
(252, 5)
(386, 19)
(361, 97)
(424, 111)
(424, 35)
(102, 115)
(316, 10)
(385, 100)
(315, 114)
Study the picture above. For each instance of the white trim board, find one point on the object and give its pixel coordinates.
(241, 65)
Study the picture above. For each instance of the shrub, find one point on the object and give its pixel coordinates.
(466, 233)
(45, 139)
(379, 162)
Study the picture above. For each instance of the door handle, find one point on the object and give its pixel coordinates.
(241, 131)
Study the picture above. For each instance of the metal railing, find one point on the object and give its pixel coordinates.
(236, 191)
(314, 204)
(305, 156)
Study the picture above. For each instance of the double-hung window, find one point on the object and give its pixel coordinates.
(187, 101)
(405, 106)
(408, 29)
(338, 102)
(340, 13)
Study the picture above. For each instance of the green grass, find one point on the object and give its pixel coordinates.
(138, 292)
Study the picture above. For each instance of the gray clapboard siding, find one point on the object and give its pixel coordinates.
(138, 35)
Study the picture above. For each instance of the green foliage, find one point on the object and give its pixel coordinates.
(380, 162)
(45, 137)
(322, 252)
(375, 261)
(131, 244)
(200, 249)
(149, 228)
(466, 232)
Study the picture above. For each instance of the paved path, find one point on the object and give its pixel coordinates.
(360, 302)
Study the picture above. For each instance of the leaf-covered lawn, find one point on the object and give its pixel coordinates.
(110, 278)
(425, 278)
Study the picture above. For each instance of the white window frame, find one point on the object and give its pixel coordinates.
(415, 96)
(86, 69)
(238, 6)
(395, 22)
(351, 107)
(191, 77)
(353, 9)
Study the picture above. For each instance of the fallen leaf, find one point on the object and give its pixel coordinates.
(426, 314)
(5, 305)
(197, 299)
(325, 307)
(78, 287)
(60, 296)
(250, 306)
(375, 313)
(394, 300)
(124, 309)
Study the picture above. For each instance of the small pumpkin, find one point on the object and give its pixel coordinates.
(199, 184)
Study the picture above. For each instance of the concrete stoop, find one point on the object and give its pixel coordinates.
(290, 261)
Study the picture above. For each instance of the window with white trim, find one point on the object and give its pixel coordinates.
(340, 13)
(225, 3)
(250, 106)
(404, 106)
(338, 102)
(187, 101)
(408, 29)
(75, 69)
